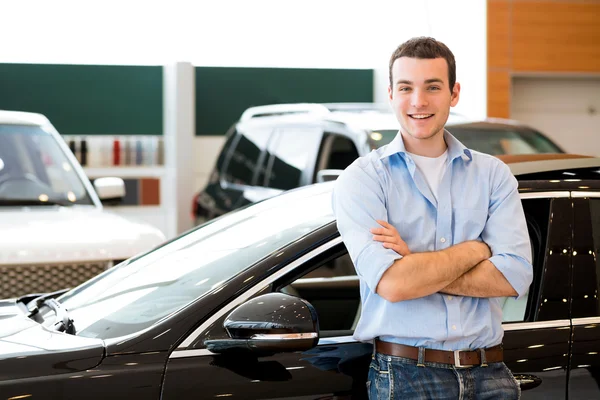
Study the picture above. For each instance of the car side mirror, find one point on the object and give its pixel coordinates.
(110, 189)
(326, 175)
(267, 324)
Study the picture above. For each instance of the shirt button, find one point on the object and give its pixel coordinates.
(449, 297)
(453, 327)
(443, 240)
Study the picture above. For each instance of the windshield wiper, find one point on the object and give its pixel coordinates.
(32, 202)
(33, 302)
(62, 323)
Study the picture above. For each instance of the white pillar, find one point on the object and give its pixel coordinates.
(179, 129)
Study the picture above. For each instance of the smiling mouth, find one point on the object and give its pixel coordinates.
(420, 116)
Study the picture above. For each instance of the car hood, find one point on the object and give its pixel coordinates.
(27, 349)
(55, 235)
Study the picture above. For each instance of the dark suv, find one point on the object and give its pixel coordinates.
(279, 147)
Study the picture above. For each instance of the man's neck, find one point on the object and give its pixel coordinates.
(432, 147)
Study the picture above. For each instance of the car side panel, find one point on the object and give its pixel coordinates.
(131, 376)
(584, 380)
(328, 371)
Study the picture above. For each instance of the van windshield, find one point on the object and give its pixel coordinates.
(34, 170)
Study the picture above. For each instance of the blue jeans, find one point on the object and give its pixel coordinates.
(399, 378)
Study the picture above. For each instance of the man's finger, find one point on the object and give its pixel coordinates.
(384, 223)
(383, 238)
(382, 231)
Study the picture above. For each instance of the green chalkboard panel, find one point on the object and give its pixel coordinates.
(222, 94)
(87, 99)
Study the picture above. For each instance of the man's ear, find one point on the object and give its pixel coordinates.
(455, 94)
(390, 93)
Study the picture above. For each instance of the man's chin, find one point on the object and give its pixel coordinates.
(420, 135)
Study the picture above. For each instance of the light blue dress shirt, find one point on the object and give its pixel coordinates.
(477, 200)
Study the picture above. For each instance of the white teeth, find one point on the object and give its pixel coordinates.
(421, 116)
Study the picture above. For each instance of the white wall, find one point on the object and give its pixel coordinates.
(250, 33)
(567, 109)
(265, 33)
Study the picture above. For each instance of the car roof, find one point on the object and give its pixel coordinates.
(542, 163)
(365, 116)
(21, 118)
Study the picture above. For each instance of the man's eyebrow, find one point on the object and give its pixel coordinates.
(434, 80)
(427, 81)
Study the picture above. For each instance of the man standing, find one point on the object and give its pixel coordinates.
(437, 235)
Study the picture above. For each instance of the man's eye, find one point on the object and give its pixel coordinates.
(434, 88)
(404, 89)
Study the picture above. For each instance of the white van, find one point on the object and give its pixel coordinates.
(54, 232)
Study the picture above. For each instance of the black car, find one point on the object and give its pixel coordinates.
(281, 147)
(262, 303)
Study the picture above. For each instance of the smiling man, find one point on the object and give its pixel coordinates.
(437, 235)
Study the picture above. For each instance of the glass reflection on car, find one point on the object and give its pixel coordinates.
(140, 292)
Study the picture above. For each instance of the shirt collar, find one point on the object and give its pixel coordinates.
(455, 147)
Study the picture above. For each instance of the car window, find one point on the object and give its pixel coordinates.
(337, 152)
(229, 141)
(245, 155)
(138, 293)
(537, 214)
(491, 141)
(34, 167)
(293, 149)
(333, 287)
(498, 141)
(333, 290)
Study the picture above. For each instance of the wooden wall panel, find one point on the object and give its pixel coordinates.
(538, 36)
(498, 37)
(552, 36)
(498, 94)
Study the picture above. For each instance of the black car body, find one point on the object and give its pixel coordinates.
(281, 147)
(261, 303)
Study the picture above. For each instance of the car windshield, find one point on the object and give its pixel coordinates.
(140, 292)
(34, 170)
(494, 141)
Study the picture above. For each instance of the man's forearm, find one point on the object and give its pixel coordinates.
(485, 280)
(421, 274)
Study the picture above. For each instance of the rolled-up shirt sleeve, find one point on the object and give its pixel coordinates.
(358, 202)
(506, 231)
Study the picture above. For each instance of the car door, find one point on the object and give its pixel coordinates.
(336, 368)
(537, 330)
(536, 341)
(584, 377)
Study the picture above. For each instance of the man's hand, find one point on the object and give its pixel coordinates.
(389, 236)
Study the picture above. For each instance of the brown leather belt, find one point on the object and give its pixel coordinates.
(458, 358)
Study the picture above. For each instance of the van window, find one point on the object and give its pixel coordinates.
(337, 152)
(245, 156)
(294, 149)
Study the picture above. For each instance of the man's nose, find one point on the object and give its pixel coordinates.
(418, 99)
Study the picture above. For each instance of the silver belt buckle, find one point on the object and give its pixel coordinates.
(457, 363)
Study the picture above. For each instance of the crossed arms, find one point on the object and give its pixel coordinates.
(499, 265)
(462, 269)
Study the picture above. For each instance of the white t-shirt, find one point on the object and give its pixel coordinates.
(432, 169)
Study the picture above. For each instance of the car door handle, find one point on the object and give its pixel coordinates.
(528, 381)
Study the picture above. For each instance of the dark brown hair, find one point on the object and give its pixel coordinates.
(428, 48)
